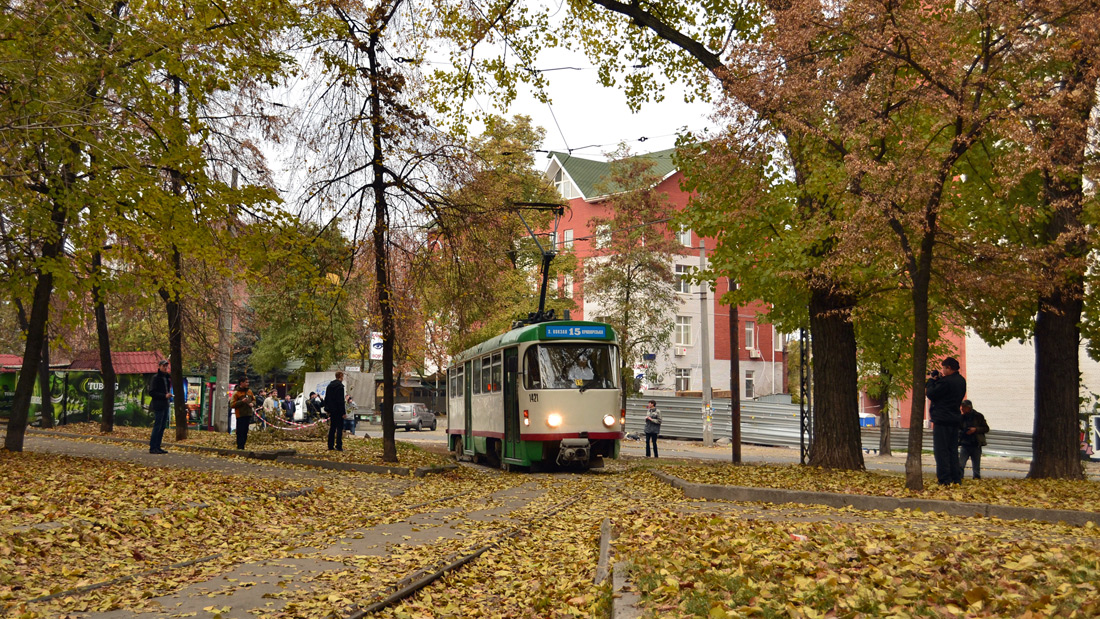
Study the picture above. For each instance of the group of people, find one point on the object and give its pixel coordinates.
(243, 404)
(958, 431)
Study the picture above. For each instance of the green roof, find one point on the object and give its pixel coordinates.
(588, 173)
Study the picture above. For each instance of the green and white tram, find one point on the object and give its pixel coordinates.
(546, 393)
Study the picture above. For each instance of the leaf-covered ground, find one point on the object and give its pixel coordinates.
(1041, 493)
(902, 565)
(93, 524)
(312, 443)
(687, 558)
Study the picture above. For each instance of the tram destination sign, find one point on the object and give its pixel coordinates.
(585, 332)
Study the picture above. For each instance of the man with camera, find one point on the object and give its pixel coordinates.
(946, 389)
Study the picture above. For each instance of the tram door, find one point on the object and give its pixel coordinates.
(511, 403)
(467, 428)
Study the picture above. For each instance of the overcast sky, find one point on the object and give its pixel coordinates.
(592, 120)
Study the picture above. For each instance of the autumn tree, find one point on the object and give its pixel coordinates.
(480, 265)
(1029, 176)
(117, 96)
(300, 309)
(383, 160)
(630, 275)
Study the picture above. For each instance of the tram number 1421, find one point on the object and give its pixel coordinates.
(565, 373)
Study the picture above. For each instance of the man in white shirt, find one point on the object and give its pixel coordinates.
(582, 371)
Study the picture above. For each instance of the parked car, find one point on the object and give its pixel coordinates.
(413, 415)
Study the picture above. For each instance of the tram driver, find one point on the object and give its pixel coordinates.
(582, 371)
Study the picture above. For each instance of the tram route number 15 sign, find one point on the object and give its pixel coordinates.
(577, 331)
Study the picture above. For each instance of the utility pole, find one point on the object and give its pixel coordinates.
(225, 344)
(735, 379)
(704, 316)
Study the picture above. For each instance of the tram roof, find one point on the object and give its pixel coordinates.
(538, 332)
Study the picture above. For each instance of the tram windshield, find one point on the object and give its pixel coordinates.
(571, 366)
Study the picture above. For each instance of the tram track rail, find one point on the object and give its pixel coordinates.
(419, 579)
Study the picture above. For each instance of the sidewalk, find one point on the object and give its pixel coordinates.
(992, 466)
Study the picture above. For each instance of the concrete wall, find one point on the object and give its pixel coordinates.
(1001, 381)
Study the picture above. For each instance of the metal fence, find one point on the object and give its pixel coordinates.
(775, 424)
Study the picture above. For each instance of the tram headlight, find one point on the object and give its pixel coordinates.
(608, 420)
(553, 420)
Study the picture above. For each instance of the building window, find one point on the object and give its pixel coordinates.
(552, 240)
(682, 333)
(563, 185)
(683, 284)
(603, 236)
(683, 379)
(567, 239)
(777, 340)
(750, 335)
(750, 384)
(684, 236)
(567, 285)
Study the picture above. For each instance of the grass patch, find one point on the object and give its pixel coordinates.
(308, 443)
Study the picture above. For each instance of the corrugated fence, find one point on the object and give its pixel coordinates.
(775, 424)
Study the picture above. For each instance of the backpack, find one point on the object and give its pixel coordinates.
(983, 427)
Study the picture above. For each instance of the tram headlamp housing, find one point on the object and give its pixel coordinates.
(553, 420)
(608, 421)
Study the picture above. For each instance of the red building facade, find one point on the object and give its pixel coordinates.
(761, 350)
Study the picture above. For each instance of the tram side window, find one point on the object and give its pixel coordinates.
(486, 375)
(460, 383)
(476, 382)
(498, 371)
(532, 378)
(454, 383)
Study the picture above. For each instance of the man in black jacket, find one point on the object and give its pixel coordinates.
(158, 405)
(974, 429)
(335, 407)
(946, 390)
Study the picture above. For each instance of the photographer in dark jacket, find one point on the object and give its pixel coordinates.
(946, 390)
(159, 388)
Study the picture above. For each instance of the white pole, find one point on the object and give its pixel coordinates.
(225, 351)
(704, 317)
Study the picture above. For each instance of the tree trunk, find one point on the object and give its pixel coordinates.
(1054, 444)
(1055, 448)
(36, 335)
(106, 366)
(381, 264)
(735, 379)
(881, 399)
(44, 384)
(836, 416)
(922, 277)
(885, 430)
(174, 312)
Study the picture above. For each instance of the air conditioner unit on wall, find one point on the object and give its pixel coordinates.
(754, 354)
(680, 351)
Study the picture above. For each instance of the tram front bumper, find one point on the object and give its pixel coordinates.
(574, 450)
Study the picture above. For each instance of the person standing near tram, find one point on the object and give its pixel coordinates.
(652, 427)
